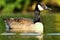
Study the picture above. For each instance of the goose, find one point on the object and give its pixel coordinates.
(36, 26)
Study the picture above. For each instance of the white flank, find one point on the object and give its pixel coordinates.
(39, 27)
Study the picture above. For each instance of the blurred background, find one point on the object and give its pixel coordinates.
(16, 6)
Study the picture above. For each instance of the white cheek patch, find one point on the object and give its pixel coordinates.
(40, 8)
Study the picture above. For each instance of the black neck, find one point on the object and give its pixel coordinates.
(37, 17)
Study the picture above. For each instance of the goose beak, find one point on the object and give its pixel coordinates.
(48, 9)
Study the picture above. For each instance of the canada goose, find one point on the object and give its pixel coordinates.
(22, 24)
